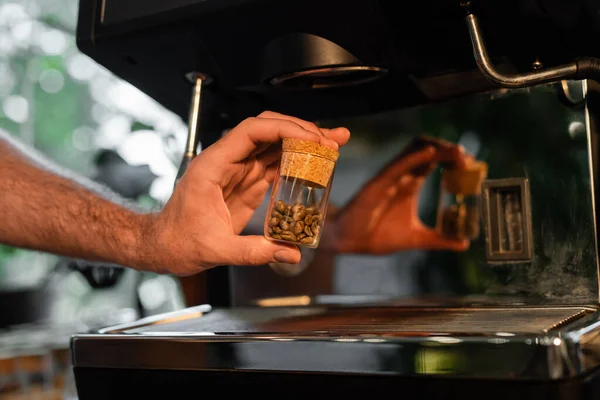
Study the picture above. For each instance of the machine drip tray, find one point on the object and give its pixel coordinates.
(528, 342)
(349, 321)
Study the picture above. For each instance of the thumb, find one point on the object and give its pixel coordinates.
(418, 163)
(432, 240)
(256, 250)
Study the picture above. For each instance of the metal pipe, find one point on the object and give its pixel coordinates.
(193, 137)
(568, 71)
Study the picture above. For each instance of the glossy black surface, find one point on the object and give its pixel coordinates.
(424, 44)
(160, 384)
(426, 48)
(531, 134)
(469, 342)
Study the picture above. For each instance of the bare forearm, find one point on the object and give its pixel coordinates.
(48, 209)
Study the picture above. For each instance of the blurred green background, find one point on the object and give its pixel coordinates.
(60, 102)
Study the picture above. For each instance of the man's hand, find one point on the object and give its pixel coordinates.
(199, 226)
(383, 217)
(48, 209)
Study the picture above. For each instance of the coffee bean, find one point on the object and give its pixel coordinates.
(308, 231)
(472, 222)
(299, 215)
(295, 223)
(307, 240)
(287, 235)
(308, 219)
(450, 222)
(274, 221)
(280, 206)
(298, 228)
(315, 230)
(460, 222)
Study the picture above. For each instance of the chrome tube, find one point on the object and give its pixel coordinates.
(547, 75)
(193, 138)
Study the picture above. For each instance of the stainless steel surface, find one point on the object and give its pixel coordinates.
(592, 121)
(507, 221)
(192, 142)
(571, 96)
(527, 134)
(517, 343)
(539, 76)
(351, 321)
(179, 315)
(472, 301)
(323, 300)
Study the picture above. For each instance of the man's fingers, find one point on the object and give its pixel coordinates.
(243, 140)
(429, 239)
(404, 164)
(271, 173)
(423, 158)
(309, 126)
(338, 135)
(253, 133)
(270, 155)
(455, 155)
(256, 250)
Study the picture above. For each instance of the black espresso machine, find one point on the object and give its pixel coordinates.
(514, 81)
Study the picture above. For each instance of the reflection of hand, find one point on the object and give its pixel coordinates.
(200, 225)
(383, 217)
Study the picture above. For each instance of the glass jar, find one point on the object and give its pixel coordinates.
(300, 194)
(284, 269)
(459, 204)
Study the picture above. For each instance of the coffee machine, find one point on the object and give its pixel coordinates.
(515, 82)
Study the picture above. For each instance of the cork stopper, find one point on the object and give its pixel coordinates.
(466, 181)
(309, 161)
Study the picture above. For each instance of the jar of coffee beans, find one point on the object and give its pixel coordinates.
(459, 206)
(300, 193)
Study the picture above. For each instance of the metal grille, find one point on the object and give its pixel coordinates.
(353, 321)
